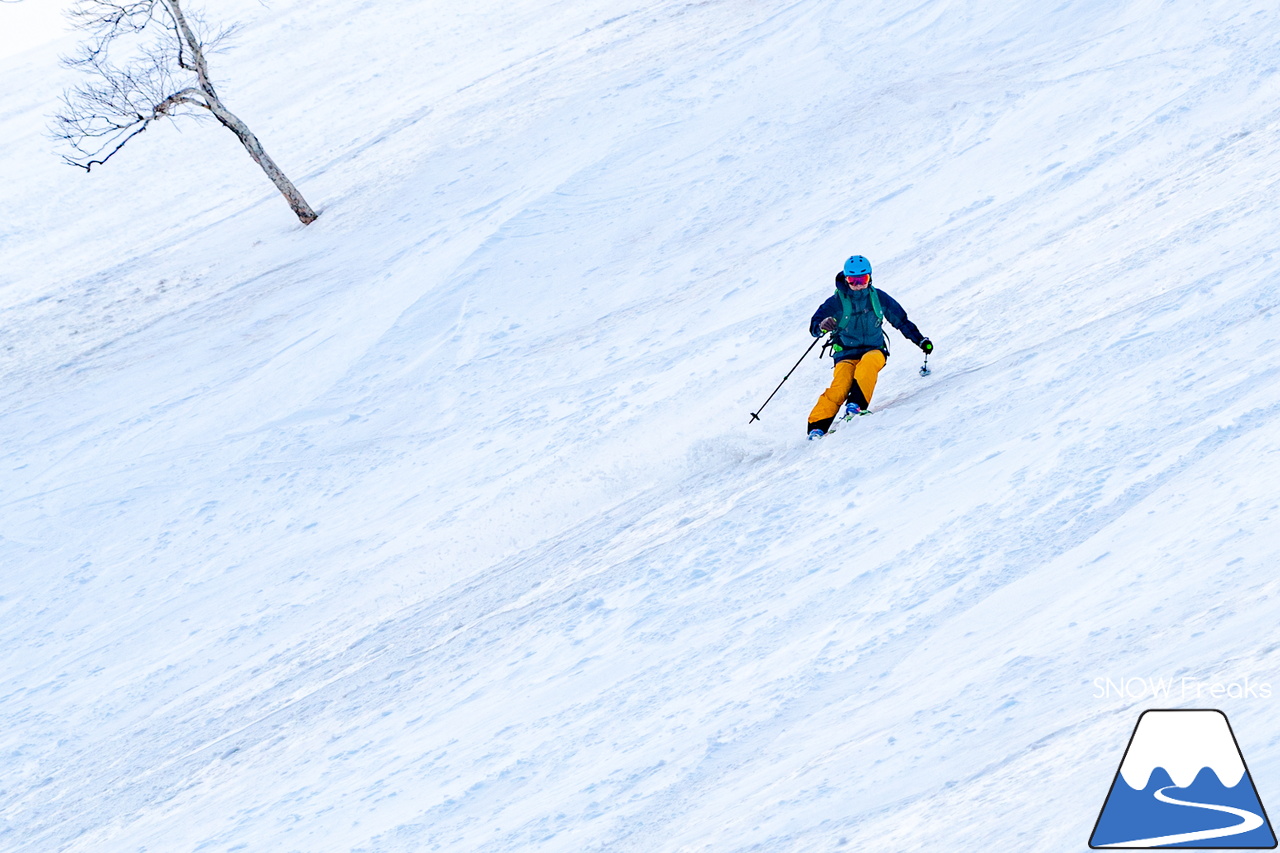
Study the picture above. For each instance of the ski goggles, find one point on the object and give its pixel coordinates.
(857, 280)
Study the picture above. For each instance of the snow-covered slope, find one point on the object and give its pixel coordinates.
(439, 525)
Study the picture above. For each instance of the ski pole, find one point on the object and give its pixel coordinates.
(924, 370)
(755, 416)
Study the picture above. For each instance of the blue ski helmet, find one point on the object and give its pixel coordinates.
(857, 265)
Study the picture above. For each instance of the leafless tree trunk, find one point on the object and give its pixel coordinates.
(166, 75)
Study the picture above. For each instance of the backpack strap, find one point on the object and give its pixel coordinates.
(846, 305)
(846, 309)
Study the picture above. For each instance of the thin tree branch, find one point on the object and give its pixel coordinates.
(166, 75)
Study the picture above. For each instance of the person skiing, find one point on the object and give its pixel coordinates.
(859, 345)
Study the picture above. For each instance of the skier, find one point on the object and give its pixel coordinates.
(859, 345)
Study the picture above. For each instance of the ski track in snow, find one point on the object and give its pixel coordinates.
(1248, 822)
(439, 524)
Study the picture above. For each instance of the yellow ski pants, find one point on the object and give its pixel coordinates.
(863, 371)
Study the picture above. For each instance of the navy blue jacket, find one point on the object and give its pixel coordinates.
(863, 332)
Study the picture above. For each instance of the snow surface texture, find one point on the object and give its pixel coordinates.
(439, 524)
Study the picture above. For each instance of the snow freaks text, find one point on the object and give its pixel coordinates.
(1183, 687)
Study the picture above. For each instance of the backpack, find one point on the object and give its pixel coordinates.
(846, 305)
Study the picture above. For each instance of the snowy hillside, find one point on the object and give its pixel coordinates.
(439, 524)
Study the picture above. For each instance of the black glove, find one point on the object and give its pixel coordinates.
(827, 325)
(927, 346)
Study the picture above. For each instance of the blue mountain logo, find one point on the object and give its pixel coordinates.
(1183, 783)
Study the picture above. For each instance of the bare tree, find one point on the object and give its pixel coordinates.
(165, 74)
